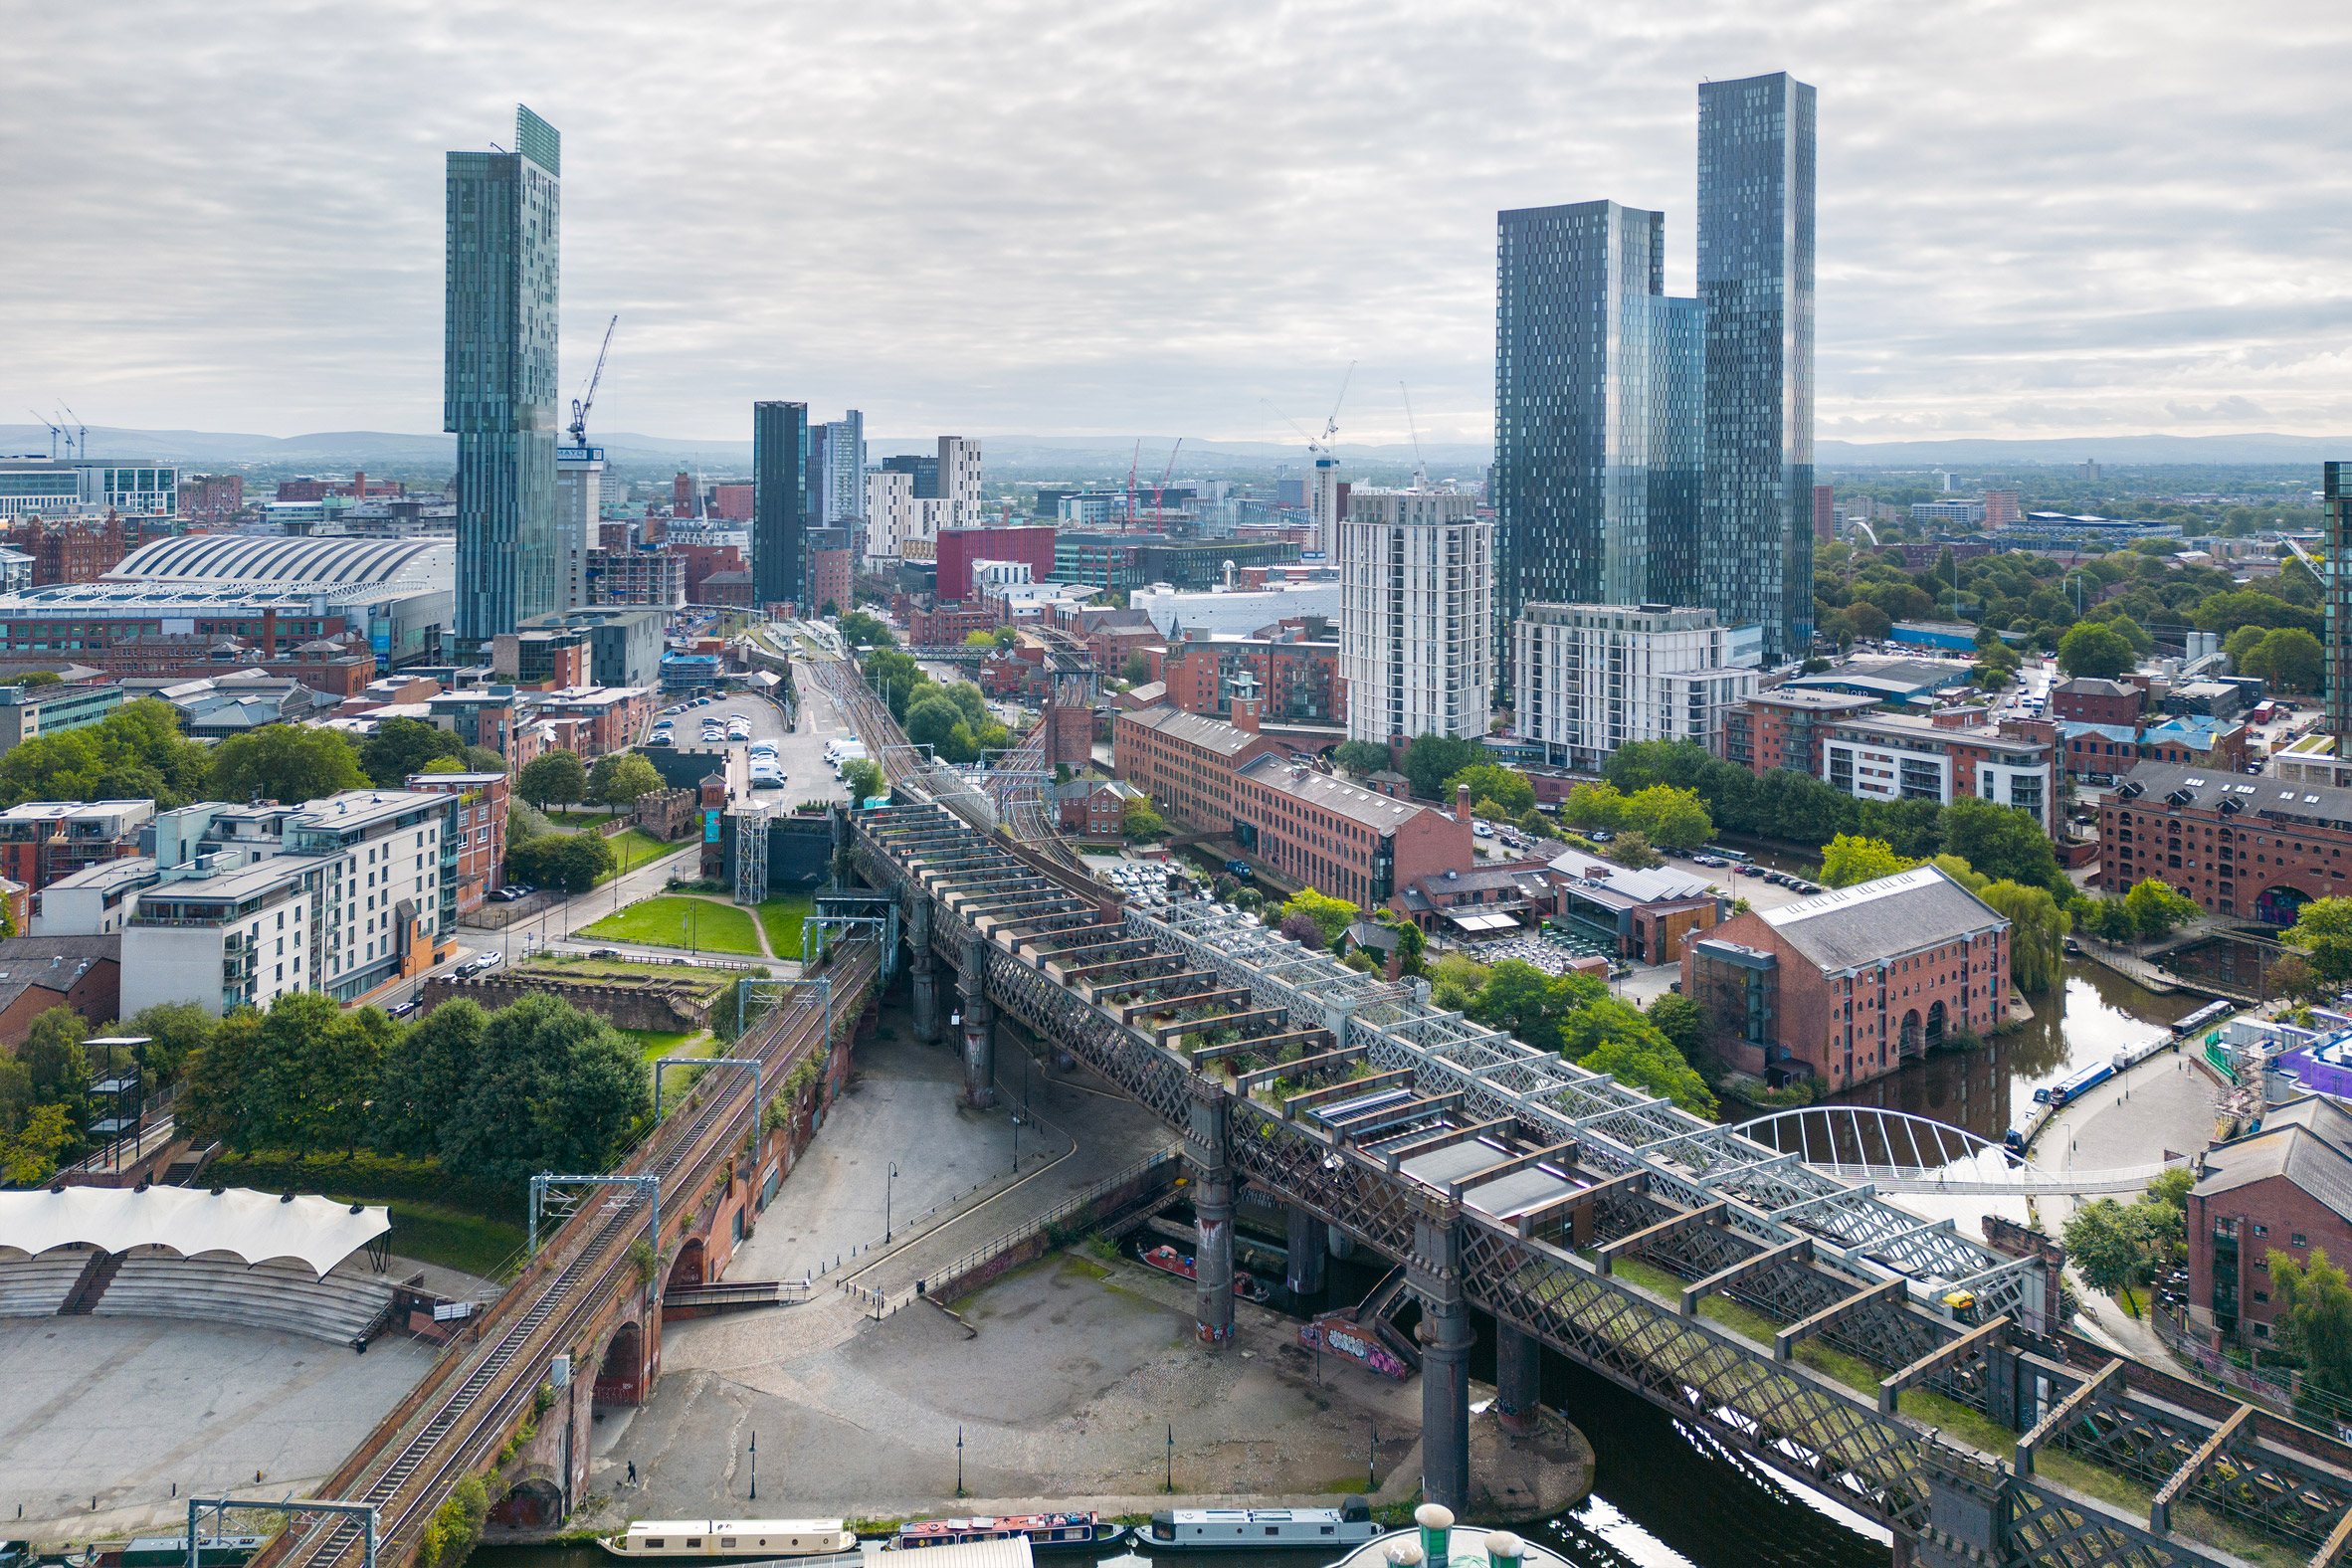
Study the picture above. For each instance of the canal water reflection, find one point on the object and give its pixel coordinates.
(1991, 1089)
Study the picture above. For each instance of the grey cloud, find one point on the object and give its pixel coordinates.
(1011, 216)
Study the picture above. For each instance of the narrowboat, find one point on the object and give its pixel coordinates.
(1169, 1261)
(1233, 1529)
(731, 1538)
(1044, 1531)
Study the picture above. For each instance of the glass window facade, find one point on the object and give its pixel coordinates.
(1755, 288)
(779, 501)
(498, 377)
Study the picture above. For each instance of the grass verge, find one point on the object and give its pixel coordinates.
(662, 922)
(583, 966)
(781, 917)
(433, 1233)
(634, 846)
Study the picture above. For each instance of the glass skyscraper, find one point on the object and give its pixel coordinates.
(1577, 291)
(498, 390)
(779, 501)
(1677, 380)
(1755, 290)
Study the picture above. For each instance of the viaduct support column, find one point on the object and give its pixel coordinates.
(1207, 1152)
(1310, 1238)
(979, 1027)
(1435, 1271)
(1518, 1390)
(923, 978)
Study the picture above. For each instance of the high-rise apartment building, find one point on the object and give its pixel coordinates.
(1592, 678)
(498, 388)
(1328, 507)
(2336, 596)
(1677, 386)
(780, 501)
(959, 479)
(837, 471)
(579, 502)
(2001, 509)
(1824, 513)
(1577, 314)
(890, 515)
(1416, 615)
(1756, 286)
(922, 469)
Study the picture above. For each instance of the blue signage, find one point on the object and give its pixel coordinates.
(711, 827)
(579, 453)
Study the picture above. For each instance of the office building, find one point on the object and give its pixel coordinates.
(579, 502)
(2285, 1188)
(48, 487)
(780, 501)
(1592, 678)
(29, 712)
(1576, 321)
(1415, 606)
(1824, 513)
(959, 479)
(1756, 286)
(2245, 847)
(921, 469)
(1947, 513)
(498, 386)
(1845, 740)
(637, 578)
(1847, 986)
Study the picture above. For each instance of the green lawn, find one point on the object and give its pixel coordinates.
(652, 1042)
(634, 846)
(663, 922)
(782, 916)
(435, 1233)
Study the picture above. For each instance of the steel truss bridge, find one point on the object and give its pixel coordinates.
(1511, 1181)
(1895, 1151)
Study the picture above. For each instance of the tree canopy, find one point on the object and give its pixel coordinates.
(2322, 932)
(619, 777)
(1432, 759)
(402, 746)
(554, 778)
(1360, 757)
(136, 753)
(2093, 649)
(1488, 782)
(1847, 859)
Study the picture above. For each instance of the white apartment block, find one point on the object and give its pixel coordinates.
(1323, 508)
(959, 481)
(223, 939)
(579, 504)
(1416, 642)
(890, 516)
(1596, 676)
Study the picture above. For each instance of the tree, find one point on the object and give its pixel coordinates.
(30, 1155)
(2289, 659)
(35, 680)
(2112, 920)
(2108, 1244)
(1331, 916)
(619, 777)
(446, 766)
(2319, 1306)
(829, 610)
(979, 640)
(2294, 978)
(424, 1077)
(1632, 851)
(931, 719)
(865, 779)
(1139, 823)
(2243, 641)
(1135, 670)
(216, 1105)
(1682, 1022)
(554, 778)
(1870, 624)
(285, 763)
(56, 1069)
(2005, 844)
(2322, 932)
(1510, 792)
(2093, 649)
(402, 746)
(1665, 815)
(1654, 1069)
(314, 1071)
(2156, 909)
(1360, 757)
(1432, 759)
(1961, 871)
(1302, 928)
(1593, 806)
(1847, 859)
(1522, 999)
(549, 1089)
(175, 1031)
(2038, 930)
(573, 863)
(859, 629)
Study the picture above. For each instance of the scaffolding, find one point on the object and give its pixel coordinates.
(751, 854)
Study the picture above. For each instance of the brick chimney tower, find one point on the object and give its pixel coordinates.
(1245, 715)
(1462, 803)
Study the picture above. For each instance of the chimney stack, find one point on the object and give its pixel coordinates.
(1462, 803)
(1245, 715)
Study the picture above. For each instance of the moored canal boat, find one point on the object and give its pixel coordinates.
(1255, 1529)
(1045, 1532)
(733, 1539)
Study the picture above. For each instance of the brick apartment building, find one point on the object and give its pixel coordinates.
(1851, 743)
(477, 829)
(832, 571)
(212, 497)
(2102, 751)
(2287, 1188)
(701, 560)
(592, 720)
(2252, 848)
(1184, 764)
(1293, 668)
(44, 841)
(69, 549)
(2088, 701)
(945, 625)
(958, 548)
(730, 589)
(1847, 986)
(358, 489)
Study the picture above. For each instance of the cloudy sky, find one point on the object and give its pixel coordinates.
(1106, 218)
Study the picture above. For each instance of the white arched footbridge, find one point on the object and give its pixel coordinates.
(1895, 1151)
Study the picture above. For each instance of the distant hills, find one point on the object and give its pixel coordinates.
(1047, 455)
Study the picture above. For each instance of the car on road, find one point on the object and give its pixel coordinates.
(401, 1009)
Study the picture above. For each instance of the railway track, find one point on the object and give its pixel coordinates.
(433, 1457)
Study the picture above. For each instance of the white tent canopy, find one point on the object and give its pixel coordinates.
(252, 1226)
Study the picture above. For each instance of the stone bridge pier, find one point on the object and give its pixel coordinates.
(979, 1016)
(923, 974)
(1435, 1272)
(1311, 1241)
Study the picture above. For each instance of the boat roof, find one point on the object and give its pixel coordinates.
(730, 1526)
(1253, 1515)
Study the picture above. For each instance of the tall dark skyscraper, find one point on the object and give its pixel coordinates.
(779, 501)
(1677, 380)
(498, 387)
(1581, 324)
(1755, 290)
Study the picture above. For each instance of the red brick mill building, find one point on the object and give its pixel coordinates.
(2251, 846)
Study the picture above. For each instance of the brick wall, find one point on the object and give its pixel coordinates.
(668, 814)
(652, 1004)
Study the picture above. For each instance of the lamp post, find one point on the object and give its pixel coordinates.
(886, 1183)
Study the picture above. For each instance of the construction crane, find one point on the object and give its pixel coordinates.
(581, 405)
(1161, 488)
(54, 432)
(1331, 420)
(1132, 458)
(81, 443)
(1420, 469)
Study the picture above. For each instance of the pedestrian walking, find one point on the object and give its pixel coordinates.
(632, 1473)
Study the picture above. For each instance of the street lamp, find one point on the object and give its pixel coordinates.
(886, 1182)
